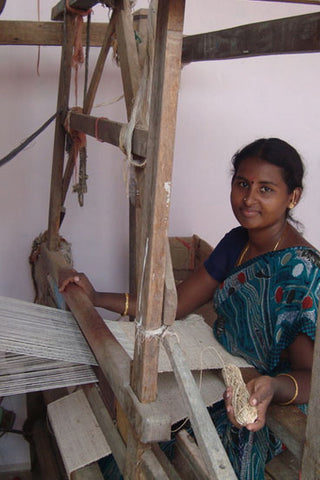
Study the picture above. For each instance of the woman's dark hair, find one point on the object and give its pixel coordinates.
(279, 153)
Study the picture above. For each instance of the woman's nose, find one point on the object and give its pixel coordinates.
(249, 197)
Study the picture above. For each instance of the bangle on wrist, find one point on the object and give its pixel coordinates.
(126, 306)
(296, 387)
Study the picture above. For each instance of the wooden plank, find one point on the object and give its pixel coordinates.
(166, 80)
(151, 467)
(299, 34)
(311, 458)
(283, 467)
(59, 137)
(14, 32)
(97, 73)
(211, 448)
(187, 458)
(288, 424)
(107, 425)
(108, 131)
(165, 462)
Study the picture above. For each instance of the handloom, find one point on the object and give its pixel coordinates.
(43, 347)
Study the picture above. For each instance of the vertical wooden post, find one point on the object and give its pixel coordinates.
(165, 86)
(311, 461)
(131, 73)
(128, 54)
(59, 136)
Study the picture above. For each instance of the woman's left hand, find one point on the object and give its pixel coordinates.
(261, 390)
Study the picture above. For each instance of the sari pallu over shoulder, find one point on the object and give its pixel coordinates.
(264, 303)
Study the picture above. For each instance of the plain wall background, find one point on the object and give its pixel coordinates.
(223, 105)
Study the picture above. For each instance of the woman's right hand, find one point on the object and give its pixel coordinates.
(79, 279)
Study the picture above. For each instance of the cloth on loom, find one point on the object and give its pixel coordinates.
(261, 307)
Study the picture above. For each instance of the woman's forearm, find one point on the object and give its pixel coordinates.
(122, 303)
(292, 387)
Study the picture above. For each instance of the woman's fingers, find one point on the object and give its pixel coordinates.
(67, 279)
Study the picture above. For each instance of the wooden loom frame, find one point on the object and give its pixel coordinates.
(136, 388)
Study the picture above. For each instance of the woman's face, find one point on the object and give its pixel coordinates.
(259, 195)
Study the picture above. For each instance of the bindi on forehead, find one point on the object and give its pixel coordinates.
(252, 180)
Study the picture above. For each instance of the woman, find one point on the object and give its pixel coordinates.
(265, 280)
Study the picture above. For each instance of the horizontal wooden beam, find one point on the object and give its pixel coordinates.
(108, 131)
(14, 32)
(299, 34)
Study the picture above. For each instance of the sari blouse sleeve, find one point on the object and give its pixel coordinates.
(224, 256)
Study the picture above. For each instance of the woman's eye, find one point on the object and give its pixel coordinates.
(266, 189)
(243, 184)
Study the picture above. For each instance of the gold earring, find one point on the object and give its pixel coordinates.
(293, 203)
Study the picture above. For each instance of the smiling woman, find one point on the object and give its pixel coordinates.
(264, 278)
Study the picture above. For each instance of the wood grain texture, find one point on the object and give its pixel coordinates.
(157, 194)
(299, 34)
(21, 32)
(108, 131)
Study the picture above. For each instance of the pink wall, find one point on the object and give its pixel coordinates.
(222, 106)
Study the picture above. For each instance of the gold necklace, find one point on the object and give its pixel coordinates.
(246, 248)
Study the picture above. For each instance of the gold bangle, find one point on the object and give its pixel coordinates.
(296, 387)
(126, 307)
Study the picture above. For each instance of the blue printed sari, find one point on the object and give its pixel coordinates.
(261, 307)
